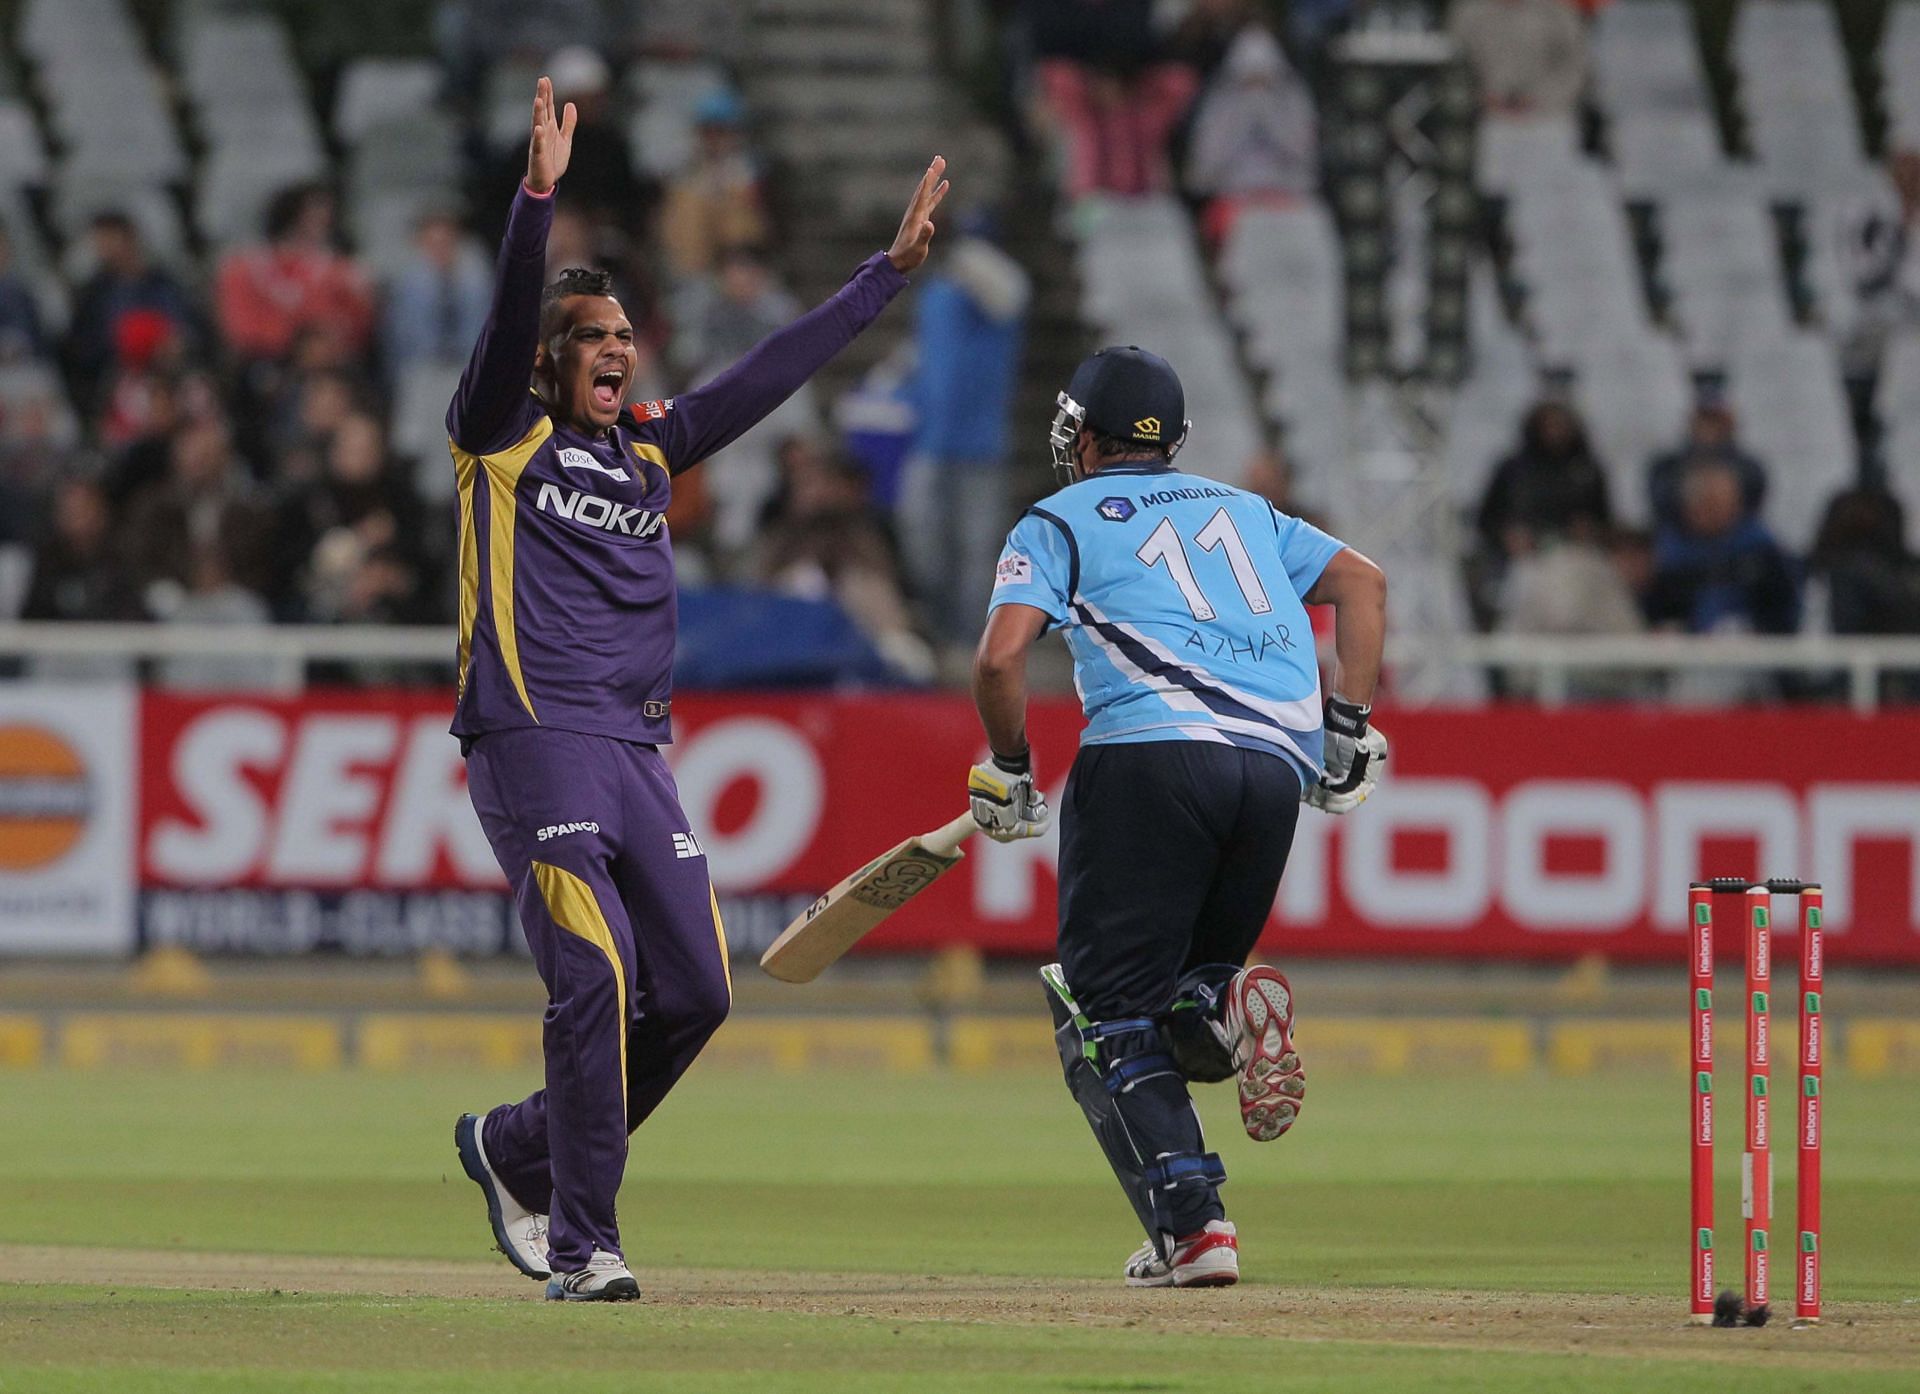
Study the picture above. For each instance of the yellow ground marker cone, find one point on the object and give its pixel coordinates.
(170, 971)
(443, 978)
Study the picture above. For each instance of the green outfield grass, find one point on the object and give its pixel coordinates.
(1391, 1196)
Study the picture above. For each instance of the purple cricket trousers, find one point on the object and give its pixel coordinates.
(613, 895)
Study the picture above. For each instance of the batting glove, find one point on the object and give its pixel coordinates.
(1353, 756)
(1005, 802)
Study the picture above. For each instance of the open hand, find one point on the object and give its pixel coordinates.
(910, 246)
(552, 143)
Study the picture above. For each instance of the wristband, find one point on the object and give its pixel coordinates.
(1345, 718)
(1015, 764)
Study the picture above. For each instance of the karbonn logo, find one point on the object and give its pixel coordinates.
(597, 512)
(46, 797)
(1483, 852)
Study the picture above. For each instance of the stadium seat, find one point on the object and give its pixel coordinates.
(1515, 152)
(374, 91)
(1633, 393)
(1796, 95)
(1786, 393)
(235, 185)
(1659, 152)
(23, 154)
(420, 425)
(1721, 261)
(1900, 73)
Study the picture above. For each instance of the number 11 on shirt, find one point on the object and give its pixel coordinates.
(1218, 535)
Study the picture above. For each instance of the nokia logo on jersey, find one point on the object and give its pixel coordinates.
(574, 458)
(597, 512)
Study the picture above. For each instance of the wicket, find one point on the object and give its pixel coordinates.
(1756, 1176)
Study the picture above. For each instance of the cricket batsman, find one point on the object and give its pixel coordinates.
(1181, 602)
(567, 620)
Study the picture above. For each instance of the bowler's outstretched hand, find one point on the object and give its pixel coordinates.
(551, 146)
(910, 245)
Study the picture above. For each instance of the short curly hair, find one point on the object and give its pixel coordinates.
(575, 280)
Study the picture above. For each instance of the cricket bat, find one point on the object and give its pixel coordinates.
(846, 914)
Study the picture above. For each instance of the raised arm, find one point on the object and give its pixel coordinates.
(492, 407)
(711, 417)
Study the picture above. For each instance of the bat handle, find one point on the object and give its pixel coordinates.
(946, 841)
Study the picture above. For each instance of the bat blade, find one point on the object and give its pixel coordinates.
(851, 910)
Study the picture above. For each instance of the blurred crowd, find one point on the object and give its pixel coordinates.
(1551, 557)
(252, 432)
(1201, 98)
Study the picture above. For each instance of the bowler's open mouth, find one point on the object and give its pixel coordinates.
(607, 386)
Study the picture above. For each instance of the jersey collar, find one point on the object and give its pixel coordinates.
(1134, 469)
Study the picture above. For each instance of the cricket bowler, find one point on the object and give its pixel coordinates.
(567, 620)
(1181, 600)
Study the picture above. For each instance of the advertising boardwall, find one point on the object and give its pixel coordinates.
(340, 820)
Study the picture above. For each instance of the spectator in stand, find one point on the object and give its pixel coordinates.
(1551, 487)
(1528, 56)
(1871, 580)
(1577, 587)
(823, 539)
(124, 284)
(725, 316)
(1879, 244)
(315, 405)
(267, 296)
(1570, 587)
(148, 458)
(148, 351)
(1107, 91)
(21, 335)
(207, 499)
(715, 202)
(1205, 34)
(353, 538)
(1710, 434)
(1255, 136)
(601, 184)
(39, 439)
(78, 572)
(953, 512)
(1720, 570)
(437, 302)
(210, 596)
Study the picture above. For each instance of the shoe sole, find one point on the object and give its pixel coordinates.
(619, 1290)
(1272, 1083)
(466, 1141)
(1223, 1278)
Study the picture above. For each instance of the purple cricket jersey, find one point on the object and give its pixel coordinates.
(567, 609)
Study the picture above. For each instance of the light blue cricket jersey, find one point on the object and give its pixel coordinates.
(1180, 601)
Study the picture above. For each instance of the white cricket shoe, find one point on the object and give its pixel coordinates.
(519, 1233)
(604, 1279)
(1209, 1259)
(1272, 1082)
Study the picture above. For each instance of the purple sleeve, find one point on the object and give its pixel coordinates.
(711, 417)
(492, 407)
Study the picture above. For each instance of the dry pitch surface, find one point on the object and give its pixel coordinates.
(237, 1233)
(1855, 1335)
